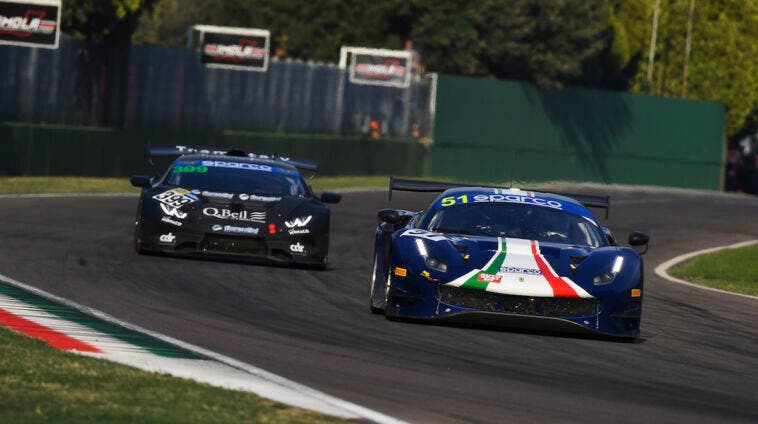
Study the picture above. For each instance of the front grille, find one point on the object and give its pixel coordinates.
(232, 245)
(565, 307)
(468, 298)
(522, 305)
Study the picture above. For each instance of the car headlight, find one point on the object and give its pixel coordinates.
(430, 261)
(435, 264)
(607, 276)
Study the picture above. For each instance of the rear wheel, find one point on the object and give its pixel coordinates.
(378, 297)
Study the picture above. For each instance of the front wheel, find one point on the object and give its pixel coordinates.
(378, 297)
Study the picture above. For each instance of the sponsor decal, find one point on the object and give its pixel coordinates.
(26, 24)
(256, 198)
(235, 230)
(182, 169)
(237, 165)
(168, 220)
(298, 222)
(215, 194)
(171, 211)
(401, 272)
(429, 235)
(176, 197)
(518, 198)
(519, 270)
(297, 248)
(299, 231)
(222, 213)
(167, 238)
(489, 278)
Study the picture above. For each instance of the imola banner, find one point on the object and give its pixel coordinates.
(33, 23)
(380, 67)
(234, 48)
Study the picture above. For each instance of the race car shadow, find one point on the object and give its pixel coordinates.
(530, 329)
(238, 260)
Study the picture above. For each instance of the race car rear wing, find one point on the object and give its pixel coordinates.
(185, 150)
(401, 184)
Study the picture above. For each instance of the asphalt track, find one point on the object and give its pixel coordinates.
(697, 359)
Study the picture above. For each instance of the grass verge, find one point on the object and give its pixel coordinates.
(729, 269)
(39, 383)
(37, 185)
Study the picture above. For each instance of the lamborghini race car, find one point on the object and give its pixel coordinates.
(233, 204)
(507, 257)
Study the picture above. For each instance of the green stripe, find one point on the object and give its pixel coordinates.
(149, 343)
(474, 283)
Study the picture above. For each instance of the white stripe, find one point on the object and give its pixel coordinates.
(225, 372)
(662, 269)
(77, 331)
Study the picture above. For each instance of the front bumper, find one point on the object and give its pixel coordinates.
(311, 249)
(572, 315)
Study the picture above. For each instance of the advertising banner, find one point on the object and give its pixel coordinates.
(234, 48)
(380, 67)
(32, 23)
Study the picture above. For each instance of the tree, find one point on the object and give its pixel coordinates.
(547, 42)
(105, 28)
(723, 64)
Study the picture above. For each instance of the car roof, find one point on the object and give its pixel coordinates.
(515, 195)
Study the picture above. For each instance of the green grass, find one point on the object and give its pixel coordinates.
(41, 384)
(734, 270)
(36, 185)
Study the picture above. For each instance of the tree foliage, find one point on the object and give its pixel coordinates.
(99, 22)
(722, 65)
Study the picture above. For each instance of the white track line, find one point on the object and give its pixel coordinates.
(269, 385)
(662, 269)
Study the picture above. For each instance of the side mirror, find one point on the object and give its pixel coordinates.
(330, 197)
(609, 235)
(394, 217)
(639, 241)
(141, 181)
(390, 216)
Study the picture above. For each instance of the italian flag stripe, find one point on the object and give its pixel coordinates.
(560, 287)
(140, 340)
(492, 267)
(52, 337)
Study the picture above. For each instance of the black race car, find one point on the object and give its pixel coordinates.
(229, 203)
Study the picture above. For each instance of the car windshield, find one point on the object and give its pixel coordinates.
(236, 177)
(502, 219)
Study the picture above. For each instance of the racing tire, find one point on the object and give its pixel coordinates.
(138, 231)
(376, 306)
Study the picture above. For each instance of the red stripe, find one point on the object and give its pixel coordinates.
(559, 286)
(52, 337)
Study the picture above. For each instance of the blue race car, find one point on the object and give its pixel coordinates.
(510, 257)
